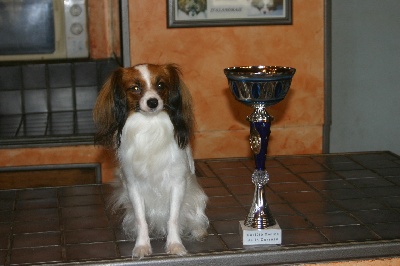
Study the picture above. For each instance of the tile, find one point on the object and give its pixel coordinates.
(370, 182)
(6, 216)
(348, 233)
(209, 182)
(332, 219)
(281, 209)
(395, 171)
(36, 204)
(81, 200)
(393, 202)
(345, 166)
(302, 236)
(360, 204)
(51, 254)
(222, 202)
(210, 244)
(306, 168)
(36, 226)
(233, 241)
(91, 222)
(4, 241)
(377, 216)
(387, 230)
(319, 176)
(202, 169)
(93, 251)
(6, 204)
(89, 236)
(226, 227)
(344, 193)
(283, 177)
(227, 214)
(357, 174)
(242, 180)
(332, 159)
(381, 191)
(331, 184)
(316, 207)
(216, 191)
(301, 196)
(37, 193)
(292, 222)
(241, 190)
(394, 179)
(3, 255)
(36, 240)
(82, 211)
(36, 214)
(289, 186)
(80, 190)
(233, 172)
(371, 157)
(293, 160)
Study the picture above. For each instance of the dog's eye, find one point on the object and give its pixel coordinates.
(161, 86)
(135, 89)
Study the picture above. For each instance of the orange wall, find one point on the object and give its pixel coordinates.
(203, 53)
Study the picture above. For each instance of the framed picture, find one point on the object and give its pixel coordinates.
(203, 13)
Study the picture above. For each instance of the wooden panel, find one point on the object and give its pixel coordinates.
(47, 178)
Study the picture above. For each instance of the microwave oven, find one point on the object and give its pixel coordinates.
(43, 30)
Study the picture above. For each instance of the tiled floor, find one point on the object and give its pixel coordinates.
(330, 207)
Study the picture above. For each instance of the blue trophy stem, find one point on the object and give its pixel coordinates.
(260, 215)
(264, 130)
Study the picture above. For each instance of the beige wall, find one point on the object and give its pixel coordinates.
(203, 53)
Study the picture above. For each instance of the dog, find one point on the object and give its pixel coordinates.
(264, 7)
(192, 8)
(145, 113)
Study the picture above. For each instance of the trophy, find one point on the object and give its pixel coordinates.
(259, 87)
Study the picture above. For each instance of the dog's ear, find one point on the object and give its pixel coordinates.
(180, 107)
(110, 111)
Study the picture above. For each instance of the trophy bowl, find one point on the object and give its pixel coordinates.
(260, 87)
(265, 85)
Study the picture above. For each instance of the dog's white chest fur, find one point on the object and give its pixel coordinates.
(149, 150)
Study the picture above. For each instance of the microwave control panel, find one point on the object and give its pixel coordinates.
(76, 31)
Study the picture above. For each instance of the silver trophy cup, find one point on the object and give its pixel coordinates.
(259, 87)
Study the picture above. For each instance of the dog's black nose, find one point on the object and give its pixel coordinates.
(152, 103)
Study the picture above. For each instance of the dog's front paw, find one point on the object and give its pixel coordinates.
(141, 251)
(176, 249)
(200, 234)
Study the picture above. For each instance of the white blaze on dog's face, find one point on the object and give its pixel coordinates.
(151, 89)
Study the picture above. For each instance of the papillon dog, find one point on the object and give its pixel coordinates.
(144, 112)
(263, 7)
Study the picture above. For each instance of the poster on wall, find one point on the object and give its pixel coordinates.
(202, 13)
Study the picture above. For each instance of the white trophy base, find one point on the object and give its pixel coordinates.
(253, 236)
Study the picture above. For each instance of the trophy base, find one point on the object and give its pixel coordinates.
(253, 236)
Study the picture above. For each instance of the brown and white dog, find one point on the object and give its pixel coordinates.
(144, 112)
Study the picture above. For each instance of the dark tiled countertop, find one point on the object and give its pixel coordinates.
(330, 207)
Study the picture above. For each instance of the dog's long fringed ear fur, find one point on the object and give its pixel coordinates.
(180, 107)
(110, 111)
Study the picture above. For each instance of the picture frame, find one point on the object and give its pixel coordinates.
(207, 13)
